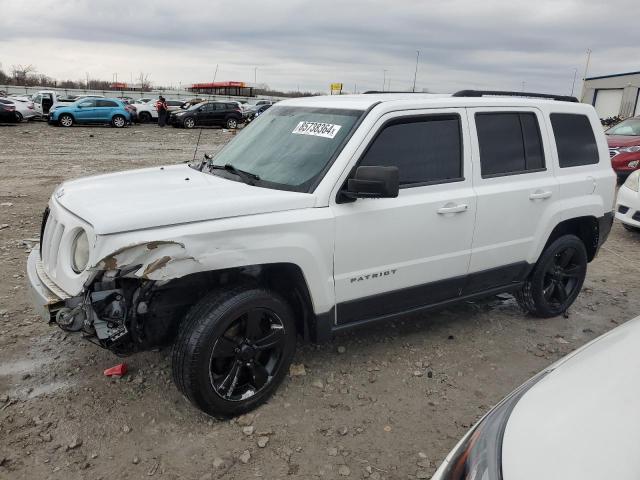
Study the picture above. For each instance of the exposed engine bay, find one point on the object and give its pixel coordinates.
(126, 315)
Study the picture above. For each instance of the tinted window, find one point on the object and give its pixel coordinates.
(425, 149)
(174, 103)
(574, 139)
(509, 142)
(106, 103)
(87, 103)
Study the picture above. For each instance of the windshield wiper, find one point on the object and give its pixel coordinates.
(247, 177)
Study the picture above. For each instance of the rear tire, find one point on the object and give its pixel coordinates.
(234, 349)
(119, 121)
(556, 279)
(65, 120)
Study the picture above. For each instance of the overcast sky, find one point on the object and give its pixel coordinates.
(309, 44)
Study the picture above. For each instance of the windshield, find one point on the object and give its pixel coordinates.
(629, 127)
(289, 146)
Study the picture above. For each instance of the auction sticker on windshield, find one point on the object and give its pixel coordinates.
(317, 129)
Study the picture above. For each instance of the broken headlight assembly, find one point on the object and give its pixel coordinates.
(478, 456)
(80, 252)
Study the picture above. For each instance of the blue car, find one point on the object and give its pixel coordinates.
(91, 110)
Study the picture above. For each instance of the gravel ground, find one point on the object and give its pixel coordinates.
(385, 402)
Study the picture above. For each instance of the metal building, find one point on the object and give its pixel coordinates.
(611, 95)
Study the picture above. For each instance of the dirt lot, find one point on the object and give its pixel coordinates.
(389, 403)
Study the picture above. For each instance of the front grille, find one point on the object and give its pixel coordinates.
(50, 243)
(622, 209)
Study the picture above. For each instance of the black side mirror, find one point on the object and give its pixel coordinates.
(374, 182)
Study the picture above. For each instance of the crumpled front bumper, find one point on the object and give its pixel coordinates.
(45, 296)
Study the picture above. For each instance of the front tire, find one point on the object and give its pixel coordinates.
(234, 349)
(189, 123)
(556, 279)
(19, 117)
(144, 117)
(119, 121)
(65, 120)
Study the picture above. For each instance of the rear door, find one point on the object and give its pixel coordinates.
(515, 186)
(105, 109)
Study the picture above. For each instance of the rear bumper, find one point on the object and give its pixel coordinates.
(604, 228)
(45, 301)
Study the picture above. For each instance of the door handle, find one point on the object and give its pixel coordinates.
(453, 209)
(540, 195)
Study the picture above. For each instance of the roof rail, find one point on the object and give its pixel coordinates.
(499, 93)
(385, 91)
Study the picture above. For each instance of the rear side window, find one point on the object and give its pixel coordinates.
(425, 149)
(575, 140)
(106, 103)
(510, 143)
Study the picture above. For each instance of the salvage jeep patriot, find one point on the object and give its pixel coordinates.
(324, 214)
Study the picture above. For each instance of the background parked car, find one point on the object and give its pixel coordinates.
(624, 146)
(225, 114)
(92, 110)
(23, 110)
(628, 202)
(577, 419)
(8, 113)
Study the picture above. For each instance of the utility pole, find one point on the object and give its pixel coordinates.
(384, 78)
(586, 70)
(415, 73)
(575, 74)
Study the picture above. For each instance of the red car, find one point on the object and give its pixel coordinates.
(624, 146)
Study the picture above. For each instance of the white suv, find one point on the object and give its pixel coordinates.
(324, 214)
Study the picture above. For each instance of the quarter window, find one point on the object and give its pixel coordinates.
(575, 141)
(425, 149)
(106, 103)
(510, 143)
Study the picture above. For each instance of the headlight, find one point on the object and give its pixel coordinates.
(633, 149)
(80, 252)
(479, 455)
(633, 181)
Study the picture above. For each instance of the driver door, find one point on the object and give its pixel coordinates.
(86, 111)
(393, 255)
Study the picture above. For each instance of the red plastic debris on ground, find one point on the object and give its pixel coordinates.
(116, 371)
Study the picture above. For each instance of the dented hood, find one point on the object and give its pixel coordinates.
(161, 196)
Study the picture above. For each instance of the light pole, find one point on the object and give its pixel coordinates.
(384, 78)
(575, 74)
(415, 73)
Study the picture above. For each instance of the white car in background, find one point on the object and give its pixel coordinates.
(24, 109)
(576, 420)
(628, 203)
(147, 112)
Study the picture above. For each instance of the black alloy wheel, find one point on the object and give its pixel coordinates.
(245, 358)
(233, 349)
(556, 279)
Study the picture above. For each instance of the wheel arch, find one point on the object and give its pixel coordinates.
(586, 228)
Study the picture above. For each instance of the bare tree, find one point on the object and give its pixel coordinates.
(145, 83)
(21, 73)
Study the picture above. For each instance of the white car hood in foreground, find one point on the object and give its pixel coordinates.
(581, 421)
(160, 196)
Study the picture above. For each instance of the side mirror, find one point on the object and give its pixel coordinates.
(374, 182)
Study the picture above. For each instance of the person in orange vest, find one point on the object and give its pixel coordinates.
(161, 106)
